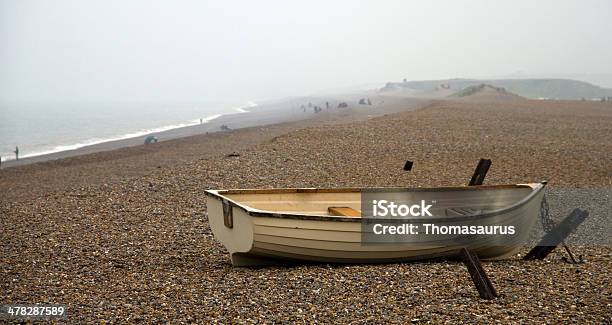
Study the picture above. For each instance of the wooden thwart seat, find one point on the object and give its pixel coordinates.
(344, 211)
(454, 212)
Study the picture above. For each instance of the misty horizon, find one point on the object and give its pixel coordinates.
(211, 51)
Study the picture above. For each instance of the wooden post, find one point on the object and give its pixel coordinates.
(557, 235)
(480, 172)
(485, 288)
(408, 165)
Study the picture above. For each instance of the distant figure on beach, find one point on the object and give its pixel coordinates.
(326, 105)
(150, 139)
(16, 153)
(200, 120)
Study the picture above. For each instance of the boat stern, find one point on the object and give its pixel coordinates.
(231, 225)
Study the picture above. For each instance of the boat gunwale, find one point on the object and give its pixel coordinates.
(220, 195)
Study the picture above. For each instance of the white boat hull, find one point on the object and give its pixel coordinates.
(266, 229)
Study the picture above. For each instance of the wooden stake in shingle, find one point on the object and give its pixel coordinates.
(557, 236)
(479, 276)
(470, 259)
(408, 165)
(480, 172)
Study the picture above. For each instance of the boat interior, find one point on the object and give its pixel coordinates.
(450, 201)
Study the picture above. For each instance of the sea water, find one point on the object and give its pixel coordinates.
(42, 128)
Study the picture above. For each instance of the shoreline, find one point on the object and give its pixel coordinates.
(124, 136)
(211, 124)
(128, 138)
(269, 113)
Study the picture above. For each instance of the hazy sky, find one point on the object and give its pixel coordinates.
(216, 50)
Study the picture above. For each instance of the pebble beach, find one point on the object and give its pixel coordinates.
(122, 236)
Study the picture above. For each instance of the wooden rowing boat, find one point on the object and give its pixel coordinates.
(271, 226)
